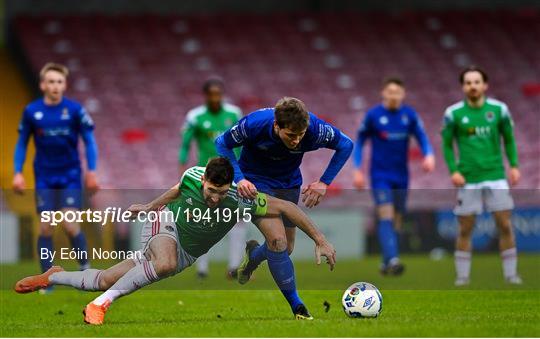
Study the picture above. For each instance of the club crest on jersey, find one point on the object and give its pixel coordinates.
(404, 120)
(65, 114)
(383, 120)
(490, 116)
(465, 120)
(38, 115)
(207, 124)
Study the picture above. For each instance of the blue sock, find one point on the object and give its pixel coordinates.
(258, 255)
(387, 240)
(78, 243)
(44, 260)
(282, 270)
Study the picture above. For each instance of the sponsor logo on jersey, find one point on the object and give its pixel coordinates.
(65, 114)
(490, 116)
(38, 115)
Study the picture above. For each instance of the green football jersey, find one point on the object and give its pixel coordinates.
(478, 132)
(201, 227)
(205, 126)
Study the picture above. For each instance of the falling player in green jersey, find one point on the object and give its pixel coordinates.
(194, 215)
(203, 124)
(477, 125)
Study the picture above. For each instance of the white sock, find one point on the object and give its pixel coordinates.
(87, 280)
(237, 244)
(202, 263)
(462, 260)
(139, 276)
(509, 262)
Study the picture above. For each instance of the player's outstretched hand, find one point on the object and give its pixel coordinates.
(359, 180)
(313, 194)
(428, 164)
(457, 179)
(18, 183)
(135, 209)
(91, 182)
(514, 176)
(325, 249)
(246, 189)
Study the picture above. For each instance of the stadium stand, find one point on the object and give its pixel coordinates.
(139, 90)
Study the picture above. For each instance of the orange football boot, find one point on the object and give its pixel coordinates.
(36, 282)
(95, 314)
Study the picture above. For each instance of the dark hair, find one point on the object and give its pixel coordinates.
(218, 82)
(291, 113)
(219, 171)
(393, 80)
(472, 68)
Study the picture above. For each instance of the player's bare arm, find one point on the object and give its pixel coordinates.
(170, 195)
(323, 248)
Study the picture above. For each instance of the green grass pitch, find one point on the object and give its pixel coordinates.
(423, 302)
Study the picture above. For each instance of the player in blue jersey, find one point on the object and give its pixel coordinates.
(56, 122)
(389, 126)
(274, 141)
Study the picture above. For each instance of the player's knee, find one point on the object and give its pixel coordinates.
(385, 211)
(465, 232)
(106, 281)
(165, 267)
(278, 243)
(46, 230)
(505, 229)
(72, 230)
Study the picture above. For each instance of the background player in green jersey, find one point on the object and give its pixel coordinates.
(203, 124)
(477, 125)
(194, 215)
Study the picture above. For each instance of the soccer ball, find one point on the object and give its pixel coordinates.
(362, 300)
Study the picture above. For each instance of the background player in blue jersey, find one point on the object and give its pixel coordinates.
(56, 123)
(388, 126)
(274, 141)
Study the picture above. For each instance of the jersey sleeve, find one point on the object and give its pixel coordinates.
(364, 133)
(237, 135)
(84, 119)
(25, 130)
(506, 128)
(188, 131)
(447, 134)
(326, 135)
(420, 134)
